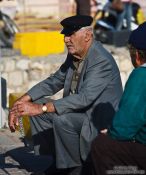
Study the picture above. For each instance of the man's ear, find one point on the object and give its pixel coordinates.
(87, 35)
(138, 60)
(137, 55)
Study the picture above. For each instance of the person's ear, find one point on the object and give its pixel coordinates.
(87, 35)
(138, 60)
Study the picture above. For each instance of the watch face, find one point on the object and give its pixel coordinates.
(44, 108)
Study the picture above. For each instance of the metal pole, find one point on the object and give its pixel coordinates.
(0, 97)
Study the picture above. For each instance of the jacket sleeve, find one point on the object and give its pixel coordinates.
(96, 79)
(52, 84)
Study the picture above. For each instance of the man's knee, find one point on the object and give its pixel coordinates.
(66, 124)
(60, 121)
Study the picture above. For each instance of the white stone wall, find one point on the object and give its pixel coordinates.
(45, 8)
(21, 73)
(123, 61)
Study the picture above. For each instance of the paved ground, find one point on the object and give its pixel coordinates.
(8, 142)
(15, 158)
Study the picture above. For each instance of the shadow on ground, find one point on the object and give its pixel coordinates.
(28, 161)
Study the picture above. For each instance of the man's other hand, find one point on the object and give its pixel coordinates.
(103, 131)
(13, 122)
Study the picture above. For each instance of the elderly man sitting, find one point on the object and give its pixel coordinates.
(65, 128)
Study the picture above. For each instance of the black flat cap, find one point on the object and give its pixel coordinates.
(137, 37)
(74, 23)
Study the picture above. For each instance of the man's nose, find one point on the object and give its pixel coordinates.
(66, 39)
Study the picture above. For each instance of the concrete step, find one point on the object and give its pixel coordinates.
(32, 23)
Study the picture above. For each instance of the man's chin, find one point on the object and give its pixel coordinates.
(71, 51)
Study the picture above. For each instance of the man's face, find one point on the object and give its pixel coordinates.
(76, 43)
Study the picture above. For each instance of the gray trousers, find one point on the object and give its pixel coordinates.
(59, 137)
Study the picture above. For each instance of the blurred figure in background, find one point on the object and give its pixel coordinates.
(9, 7)
(82, 7)
(127, 14)
(93, 7)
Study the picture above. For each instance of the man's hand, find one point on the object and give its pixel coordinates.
(104, 131)
(23, 98)
(13, 115)
(12, 122)
(30, 108)
(26, 108)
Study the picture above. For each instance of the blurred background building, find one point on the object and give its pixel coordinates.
(35, 14)
(38, 14)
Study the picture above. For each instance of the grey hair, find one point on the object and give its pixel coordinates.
(87, 28)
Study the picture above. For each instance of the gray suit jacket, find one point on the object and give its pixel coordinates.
(98, 92)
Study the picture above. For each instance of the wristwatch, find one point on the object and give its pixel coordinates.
(44, 108)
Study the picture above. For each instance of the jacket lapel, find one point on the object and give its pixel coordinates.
(80, 80)
(68, 81)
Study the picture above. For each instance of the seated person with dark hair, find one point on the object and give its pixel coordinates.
(123, 149)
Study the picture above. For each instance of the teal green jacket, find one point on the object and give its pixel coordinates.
(129, 122)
